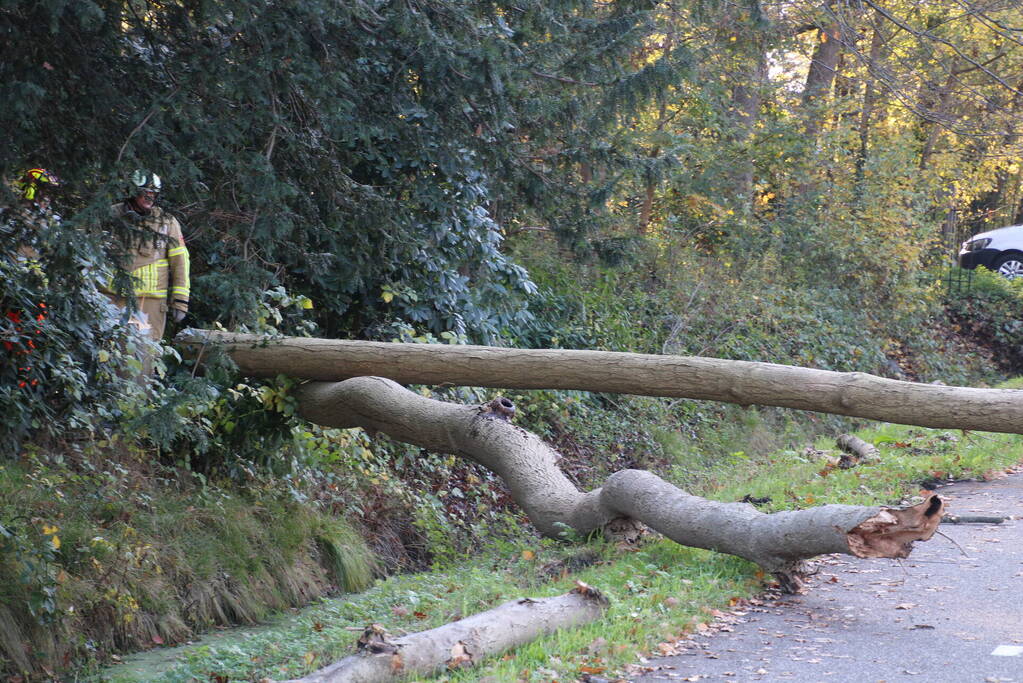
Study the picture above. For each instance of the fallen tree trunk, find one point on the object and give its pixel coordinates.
(856, 394)
(461, 643)
(778, 542)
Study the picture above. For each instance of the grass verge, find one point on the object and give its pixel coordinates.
(659, 591)
(99, 556)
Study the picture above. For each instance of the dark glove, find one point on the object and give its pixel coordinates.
(178, 314)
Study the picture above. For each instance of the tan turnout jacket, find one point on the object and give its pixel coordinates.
(159, 266)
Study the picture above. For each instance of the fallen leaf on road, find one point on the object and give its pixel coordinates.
(905, 605)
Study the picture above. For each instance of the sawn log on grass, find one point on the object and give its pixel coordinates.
(462, 643)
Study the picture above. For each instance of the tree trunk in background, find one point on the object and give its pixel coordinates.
(805, 196)
(866, 114)
(779, 542)
(934, 105)
(746, 98)
(843, 393)
(820, 77)
(650, 183)
(856, 451)
(744, 39)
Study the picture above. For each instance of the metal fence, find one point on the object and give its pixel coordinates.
(957, 280)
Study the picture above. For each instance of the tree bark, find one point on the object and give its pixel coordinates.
(855, 394)
(744, 40)
(820, 77)
(877, 43)
(461, 643)
(778, 542)
(935, 105)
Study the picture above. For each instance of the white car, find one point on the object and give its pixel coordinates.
(999, 250)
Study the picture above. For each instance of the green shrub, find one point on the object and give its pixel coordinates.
(67, 358)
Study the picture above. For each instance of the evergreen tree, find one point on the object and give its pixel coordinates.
(358, 153)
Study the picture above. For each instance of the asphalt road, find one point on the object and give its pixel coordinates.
(938, 616)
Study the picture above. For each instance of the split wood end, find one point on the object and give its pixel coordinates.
(891, 532)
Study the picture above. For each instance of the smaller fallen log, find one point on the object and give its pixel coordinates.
(856, 451)
(972, 519)
(462, 643)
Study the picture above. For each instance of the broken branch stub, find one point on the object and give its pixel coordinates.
(461, 643)
(779, 542)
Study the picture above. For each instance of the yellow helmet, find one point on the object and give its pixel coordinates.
(35, 182)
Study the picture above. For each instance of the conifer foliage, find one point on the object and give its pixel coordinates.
(358, 153)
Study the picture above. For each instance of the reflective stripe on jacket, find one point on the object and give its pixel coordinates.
(160, 262)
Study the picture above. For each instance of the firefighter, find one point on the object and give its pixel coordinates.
(21, 329)
(158, 258)
(35, 188)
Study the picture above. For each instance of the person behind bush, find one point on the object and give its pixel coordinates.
(156, 257)
(22, 328)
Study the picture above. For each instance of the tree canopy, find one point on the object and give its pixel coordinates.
(375, 160)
